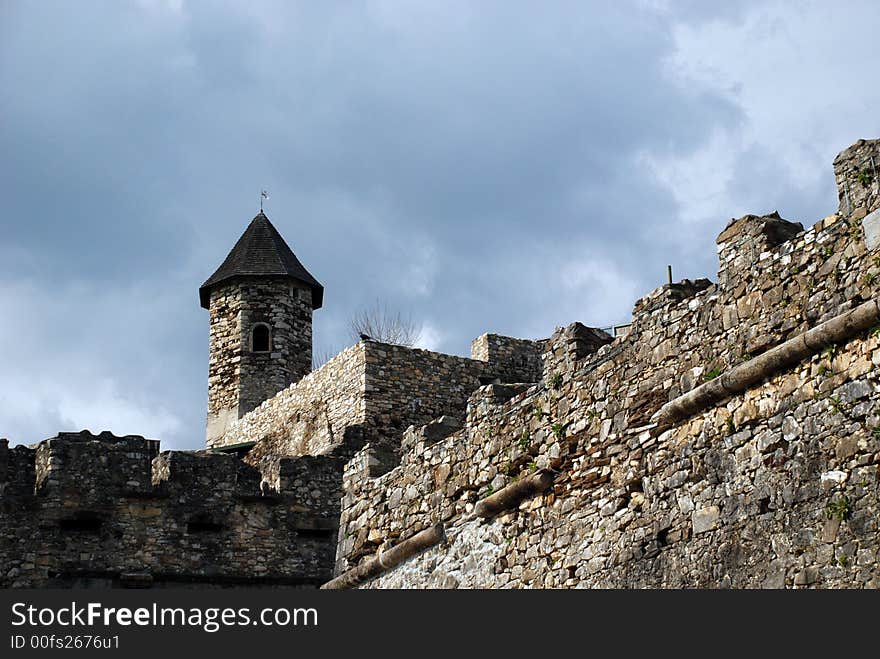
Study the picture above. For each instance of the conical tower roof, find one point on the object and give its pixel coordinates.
(261, 252)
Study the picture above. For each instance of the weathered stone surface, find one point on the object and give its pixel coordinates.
(240, 378)
(99, 510)
(706, 519)
(871, 226)
(746, 485)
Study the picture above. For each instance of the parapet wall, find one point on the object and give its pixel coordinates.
(513, 360)
(101, 510)
(775, 486)
(372, 392)
(310, 417)
(407, 386)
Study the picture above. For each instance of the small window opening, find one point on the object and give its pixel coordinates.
(202, 523)
(86, 522)
(318, 534)
(260, 339)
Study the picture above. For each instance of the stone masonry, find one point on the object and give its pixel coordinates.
(239, 378)
(100, 511)
(775, 487)
(730, 439)
(372, 392)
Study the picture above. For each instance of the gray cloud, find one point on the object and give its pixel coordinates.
(499, 167)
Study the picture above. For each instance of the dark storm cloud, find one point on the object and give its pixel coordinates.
(499, 167)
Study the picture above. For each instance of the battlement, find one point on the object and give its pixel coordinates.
(109, 510)
(746, 240)
(511, 360)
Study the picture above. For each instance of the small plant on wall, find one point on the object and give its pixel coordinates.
(841, 509)
(559, 429)
(711, 374)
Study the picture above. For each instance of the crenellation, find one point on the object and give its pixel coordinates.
(20, 471)
(108, 507)
(750, 239)
(567, 346)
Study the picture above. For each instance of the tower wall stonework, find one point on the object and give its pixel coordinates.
(239, 378)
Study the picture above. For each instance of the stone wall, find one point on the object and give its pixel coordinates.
(778, 487)
(311, 416)
(775, 486)
(239, 378)
(408, 386)
(514, 360)
(101, 510)
(371, 391)
(857, 172)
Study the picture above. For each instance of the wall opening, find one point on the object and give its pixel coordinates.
(203, 524)
(261, 339)
(318, 534)
(85, 522)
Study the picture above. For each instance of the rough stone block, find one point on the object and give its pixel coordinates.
(706, 519)
(871, 225)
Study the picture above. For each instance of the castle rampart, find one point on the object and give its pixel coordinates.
(515, 360)
(373, 391)
(776, 486)
(89, 510)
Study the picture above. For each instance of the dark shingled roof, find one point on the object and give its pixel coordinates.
(261, 252)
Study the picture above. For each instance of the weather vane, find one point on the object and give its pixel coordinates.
(264, 194)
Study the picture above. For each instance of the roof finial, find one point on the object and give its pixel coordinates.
(264, 194)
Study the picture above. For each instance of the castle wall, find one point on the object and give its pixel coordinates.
(369, 392)
(100, 510)
(857, 173)
(786, 495)
(311, 416)
(514, 360)
(408, 386)
(739, 494)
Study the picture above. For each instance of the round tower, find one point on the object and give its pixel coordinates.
(260, 301)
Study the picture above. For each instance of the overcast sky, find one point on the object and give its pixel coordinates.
(505, 167)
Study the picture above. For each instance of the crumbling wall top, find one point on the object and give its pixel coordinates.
(857, 173)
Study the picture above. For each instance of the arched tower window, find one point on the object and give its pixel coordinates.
(261, 340)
